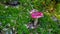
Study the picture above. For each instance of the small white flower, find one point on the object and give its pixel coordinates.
(13, 28)
(6, 6)
(17, 6)
(32, 27)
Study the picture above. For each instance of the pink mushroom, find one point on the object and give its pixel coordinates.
(35, 14)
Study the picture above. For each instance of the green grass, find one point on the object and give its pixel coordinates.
(18, 17)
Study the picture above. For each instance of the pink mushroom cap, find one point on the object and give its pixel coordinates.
(36, 14)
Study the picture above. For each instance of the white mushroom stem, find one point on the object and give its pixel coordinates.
(36, 21)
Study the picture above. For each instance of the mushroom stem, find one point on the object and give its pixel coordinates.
(36, 21)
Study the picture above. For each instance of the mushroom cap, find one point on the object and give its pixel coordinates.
(36, 14)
